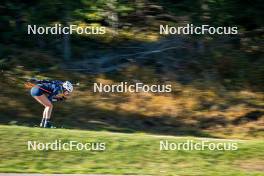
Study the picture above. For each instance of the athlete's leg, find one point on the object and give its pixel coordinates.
(47, 104)
(44, 113)
(43, 118)
(39, 95)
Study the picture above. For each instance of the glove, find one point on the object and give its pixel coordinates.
(58, 99)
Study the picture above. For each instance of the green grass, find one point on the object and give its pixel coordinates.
(136, 154)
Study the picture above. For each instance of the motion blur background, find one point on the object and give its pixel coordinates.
(217, 80)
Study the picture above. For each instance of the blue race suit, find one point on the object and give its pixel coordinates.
(51, 88)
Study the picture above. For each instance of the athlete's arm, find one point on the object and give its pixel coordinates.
(57, 93)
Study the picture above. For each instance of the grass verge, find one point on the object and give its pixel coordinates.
(137, 154)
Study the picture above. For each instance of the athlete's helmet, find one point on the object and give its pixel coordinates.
(68, 86)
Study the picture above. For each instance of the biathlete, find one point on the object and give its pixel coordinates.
(46, 92)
